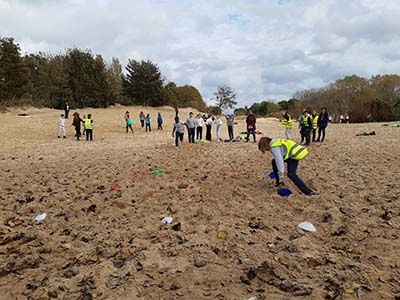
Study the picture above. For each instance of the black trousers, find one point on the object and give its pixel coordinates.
(307, 135)
(127, 127)
(191, 135)
(199, 133)
(230, 132)
(142, 123)
(251, 131)
(208, 133)
(77, 132)
(321, 130)
(66, 112)
(89, 134)
(292, 174)
(148, 127)
(178, 137)
(159, 126)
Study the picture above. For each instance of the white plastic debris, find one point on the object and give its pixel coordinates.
(167, 220)
(307, 226)
(40, 217)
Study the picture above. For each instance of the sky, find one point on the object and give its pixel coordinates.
(263, 49)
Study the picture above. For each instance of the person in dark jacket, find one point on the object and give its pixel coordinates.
(251, 126)
(323, 121)
(66, 110)
(77, 124)
(307, 127)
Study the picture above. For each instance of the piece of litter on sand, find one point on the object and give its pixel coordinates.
(285, 192)
(167, 220)
(307, 226)
(366, 133)
(115, 187)
(158, 171)
(396, 126)
(272, 175)
(264, 174)
(40, 217)
(24, 115)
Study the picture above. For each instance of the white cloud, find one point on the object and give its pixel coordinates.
(263, 49)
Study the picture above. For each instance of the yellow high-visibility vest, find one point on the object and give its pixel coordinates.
(88, 124)
(287, 123)
(293, 150)
(315, 121)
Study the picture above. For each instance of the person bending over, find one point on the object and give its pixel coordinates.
(285, 151)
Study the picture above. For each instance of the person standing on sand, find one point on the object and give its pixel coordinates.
(89, 127)
(251, 126)
(148, 123)
(61, 123)
(76, 122)
(141, 118)
(66, 110)
(315, 117)
(128, 121)
(301, 126)
(323, 121)
(230, 120)
(199, 127)
(159, 121)
(218, 126)
(285, 151)
(209, 123)
(191, 124)
(178, 131)
(287, 123)
(307, 127)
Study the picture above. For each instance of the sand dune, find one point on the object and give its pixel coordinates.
(236, 238)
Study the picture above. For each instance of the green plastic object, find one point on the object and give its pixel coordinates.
(158, 171)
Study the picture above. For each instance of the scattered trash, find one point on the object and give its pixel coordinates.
(284, 192)
(177, 227)
(264, 174)
(40, 217)
(307, 226)
(158, 171)
(115, 187)
(366, 133)
(167, 220)
(272, 175)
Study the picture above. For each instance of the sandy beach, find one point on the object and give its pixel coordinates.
(232, 236)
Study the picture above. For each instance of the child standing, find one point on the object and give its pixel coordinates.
(287, 123)
(159, 121)
(128, 122)
(89, 127)
(61, 123)
(141, 118)
(148, 123)
(178, 131)
(218, 125)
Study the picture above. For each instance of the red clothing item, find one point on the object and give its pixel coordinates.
(251, 122)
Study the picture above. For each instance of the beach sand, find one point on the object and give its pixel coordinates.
(232, 236)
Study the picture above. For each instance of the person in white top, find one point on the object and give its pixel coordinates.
(218, 123)
(199, 127)
(61, 129)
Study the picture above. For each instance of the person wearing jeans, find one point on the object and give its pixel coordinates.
(251, 126)
(191, 124)
(323, 122)
(286, 151)
(199, 127)
(178, 131)
(230, 119)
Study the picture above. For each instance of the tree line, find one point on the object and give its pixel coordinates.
(85, 80)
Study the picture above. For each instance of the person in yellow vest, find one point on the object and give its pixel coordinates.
(315, 117)
(287, 123)
(285, 151)
(89, 127)
(307, 127)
